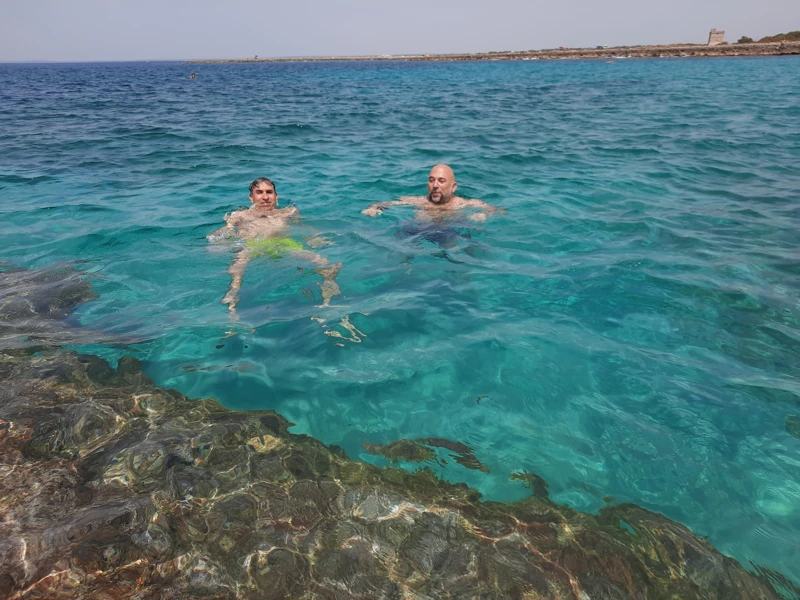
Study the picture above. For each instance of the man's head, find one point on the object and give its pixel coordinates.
(441, 184)
(263, 193)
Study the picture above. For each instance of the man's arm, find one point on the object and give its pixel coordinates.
(377, 208)
(227, 230)
(481, 205)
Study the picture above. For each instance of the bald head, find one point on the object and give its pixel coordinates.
(441, 184)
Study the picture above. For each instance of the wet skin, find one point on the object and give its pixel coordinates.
(440, 201)
(264, 220)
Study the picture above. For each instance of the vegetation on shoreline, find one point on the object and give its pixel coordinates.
(792, 36)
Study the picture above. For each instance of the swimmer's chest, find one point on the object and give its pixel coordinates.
(263, 226)
(438, 214)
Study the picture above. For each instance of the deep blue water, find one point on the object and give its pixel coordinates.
(631, 325)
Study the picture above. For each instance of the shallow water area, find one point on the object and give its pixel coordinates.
(629, 330)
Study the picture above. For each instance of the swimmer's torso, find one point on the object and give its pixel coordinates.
(437, 213)
(256, 224)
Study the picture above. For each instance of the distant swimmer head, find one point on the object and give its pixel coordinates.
(192, 76)
(263, 194)
(441, 184)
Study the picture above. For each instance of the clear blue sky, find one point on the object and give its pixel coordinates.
(89, 30)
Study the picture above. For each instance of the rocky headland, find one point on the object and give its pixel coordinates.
(111, 488)
(620, 52)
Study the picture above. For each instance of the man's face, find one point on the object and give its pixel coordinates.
(264, 196)
(441, 185)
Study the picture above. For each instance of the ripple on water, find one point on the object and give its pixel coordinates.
(631, 324)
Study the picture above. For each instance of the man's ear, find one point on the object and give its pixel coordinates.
(455, 186)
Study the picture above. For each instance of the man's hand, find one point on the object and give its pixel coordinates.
(222, 233)
(478, 217)
(372, 211)
(218, 236)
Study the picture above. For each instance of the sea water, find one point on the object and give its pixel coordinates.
(629, 329)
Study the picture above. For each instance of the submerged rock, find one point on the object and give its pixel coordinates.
(34, 302)
(421, 451)
(793, 426)
(401, 450)
(113, 488)
(537, 484)
(35, 306)
(44, 293)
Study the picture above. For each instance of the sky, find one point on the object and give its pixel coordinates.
(111, 30)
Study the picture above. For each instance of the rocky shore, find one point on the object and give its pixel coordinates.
(111, 488)
(621, 52)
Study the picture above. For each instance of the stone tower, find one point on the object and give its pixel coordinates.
(715, 38)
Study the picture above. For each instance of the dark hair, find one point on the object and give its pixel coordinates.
(261, 180)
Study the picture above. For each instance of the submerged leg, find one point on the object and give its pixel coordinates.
(236, 271)
(328, 271)
(329, 286)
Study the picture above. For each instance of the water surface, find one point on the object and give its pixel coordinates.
(630, 330)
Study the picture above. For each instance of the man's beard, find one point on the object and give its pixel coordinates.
(443, 199)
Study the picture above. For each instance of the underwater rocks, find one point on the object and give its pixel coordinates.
(793, 426)
(401, 450)
(35, 306)
(113, 488)
(421, 450)
(34, 302)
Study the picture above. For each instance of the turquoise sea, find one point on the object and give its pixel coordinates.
(629, 330)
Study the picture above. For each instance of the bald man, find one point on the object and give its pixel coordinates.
(440, 201)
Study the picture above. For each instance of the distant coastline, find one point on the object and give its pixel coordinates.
(619, 52)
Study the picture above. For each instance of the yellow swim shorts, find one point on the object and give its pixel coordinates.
(273, 247)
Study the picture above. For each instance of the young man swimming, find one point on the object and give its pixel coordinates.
(264, 228)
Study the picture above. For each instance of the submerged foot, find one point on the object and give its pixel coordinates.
(329, 286)
(329, 289)
(443, 254)
(230, 299)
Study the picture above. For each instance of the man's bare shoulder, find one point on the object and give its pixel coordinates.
(237, 216)
(459, 202)
(277, 214)
(289, 211)
(414, 200)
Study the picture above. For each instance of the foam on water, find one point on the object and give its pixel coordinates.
(629, 330)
